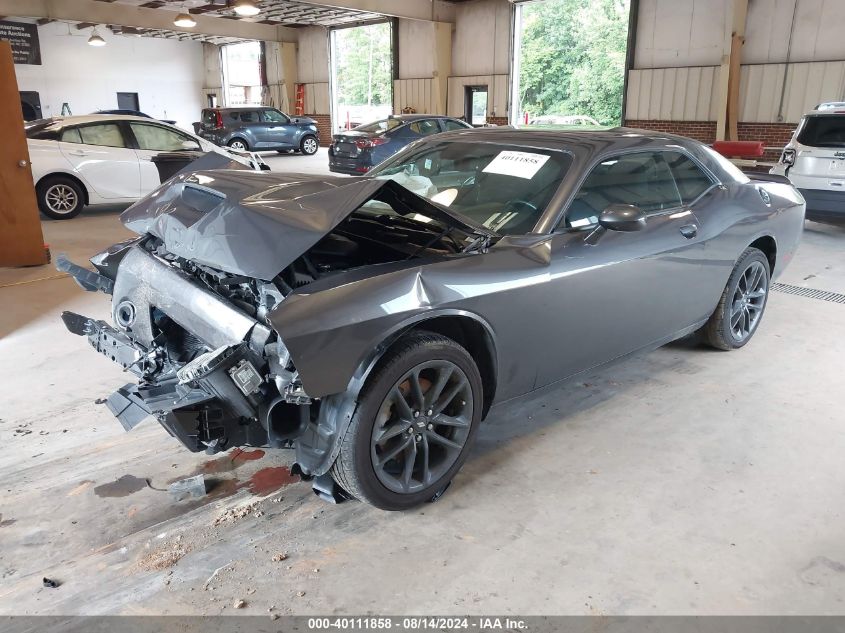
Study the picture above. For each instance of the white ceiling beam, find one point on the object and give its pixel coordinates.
(430, 10)
(140, 17)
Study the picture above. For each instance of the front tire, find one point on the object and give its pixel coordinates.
(741, 306)
(309, 146)
(415, 422)
(60, 198)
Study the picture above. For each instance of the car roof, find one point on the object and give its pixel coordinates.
(618, 137)
(95, 118)
(414, 117)
(243, 108)
(830, 110)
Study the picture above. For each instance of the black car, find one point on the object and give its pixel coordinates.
(370, 323)
(257, 129)
(358, 150)
(128, 112)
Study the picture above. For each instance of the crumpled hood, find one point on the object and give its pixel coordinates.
(257, 223)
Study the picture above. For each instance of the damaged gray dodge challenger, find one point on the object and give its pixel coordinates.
(370, 323)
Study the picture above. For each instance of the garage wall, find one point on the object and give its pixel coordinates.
(312, 69)
(481, 55)
(168, 75)
(680, 44)
(414, 86)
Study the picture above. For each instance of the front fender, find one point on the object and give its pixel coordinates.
(336, 334)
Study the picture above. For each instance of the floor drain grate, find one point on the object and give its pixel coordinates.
(811, 293)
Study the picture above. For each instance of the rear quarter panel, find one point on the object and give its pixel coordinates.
(735, 216)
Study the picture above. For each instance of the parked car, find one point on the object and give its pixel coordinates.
(103, 159)
(564, 119)
(128, 112)
(258, 129)
(372, 322)
(814, 161)
(358, 150)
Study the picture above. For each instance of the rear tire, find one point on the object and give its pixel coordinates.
(309, 145)
(415, 422)
(60, 197)
(742, 304)
(239, 144)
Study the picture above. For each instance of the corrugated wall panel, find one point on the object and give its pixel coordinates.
(317, 98)
(691, 94)
(672, 94)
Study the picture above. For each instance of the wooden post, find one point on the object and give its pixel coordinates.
(21, 240)
(730, 74)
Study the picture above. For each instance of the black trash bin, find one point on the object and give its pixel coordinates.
(171, 163)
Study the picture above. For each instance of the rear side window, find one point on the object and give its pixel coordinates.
(451, 126)
(691, 181)
(105, 135)
(71, 135)
(153, 137)
(823, 131)
(425, 127)
(244, 116)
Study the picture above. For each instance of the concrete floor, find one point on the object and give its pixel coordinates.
(683, 481)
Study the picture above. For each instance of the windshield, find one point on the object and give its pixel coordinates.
(502, 187)
(378, 127)
(823, 131)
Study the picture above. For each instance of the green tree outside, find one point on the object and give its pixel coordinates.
(364, 65)
(573, 58)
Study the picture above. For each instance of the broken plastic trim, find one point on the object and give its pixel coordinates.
(86, 279)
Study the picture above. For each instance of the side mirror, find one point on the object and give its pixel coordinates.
(190, 145)
(622, 217)
(295, 121)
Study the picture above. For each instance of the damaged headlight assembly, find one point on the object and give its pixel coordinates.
(214, 376)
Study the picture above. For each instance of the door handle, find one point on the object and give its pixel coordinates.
(78, 152)
(689, 231)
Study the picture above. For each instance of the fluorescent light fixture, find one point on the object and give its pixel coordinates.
(185, 20)
(95, 39)
(246, 8)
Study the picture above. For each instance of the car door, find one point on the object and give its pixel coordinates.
(151, 140)
(611, 292)
(101, 155)
(405, 135)
(277, 129)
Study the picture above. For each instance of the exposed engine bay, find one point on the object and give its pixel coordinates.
(211, 368)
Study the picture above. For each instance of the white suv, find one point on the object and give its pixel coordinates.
(814, 160)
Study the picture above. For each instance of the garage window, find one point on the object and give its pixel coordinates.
(105, 135)
(153, 137)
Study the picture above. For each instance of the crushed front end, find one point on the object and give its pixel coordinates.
(209, 367)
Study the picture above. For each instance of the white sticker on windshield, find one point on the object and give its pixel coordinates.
(519, 164)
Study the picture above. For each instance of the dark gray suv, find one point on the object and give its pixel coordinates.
(258, 128)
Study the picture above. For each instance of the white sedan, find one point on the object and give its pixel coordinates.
(104, 159)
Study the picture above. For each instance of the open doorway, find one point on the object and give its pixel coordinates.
(475, 105)
(569, 62)
(362, 74)
(241, 73)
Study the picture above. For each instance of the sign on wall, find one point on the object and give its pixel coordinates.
(24, 40)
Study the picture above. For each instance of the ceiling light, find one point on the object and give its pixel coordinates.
(185, 20)
(95, 39)
(246, 8)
